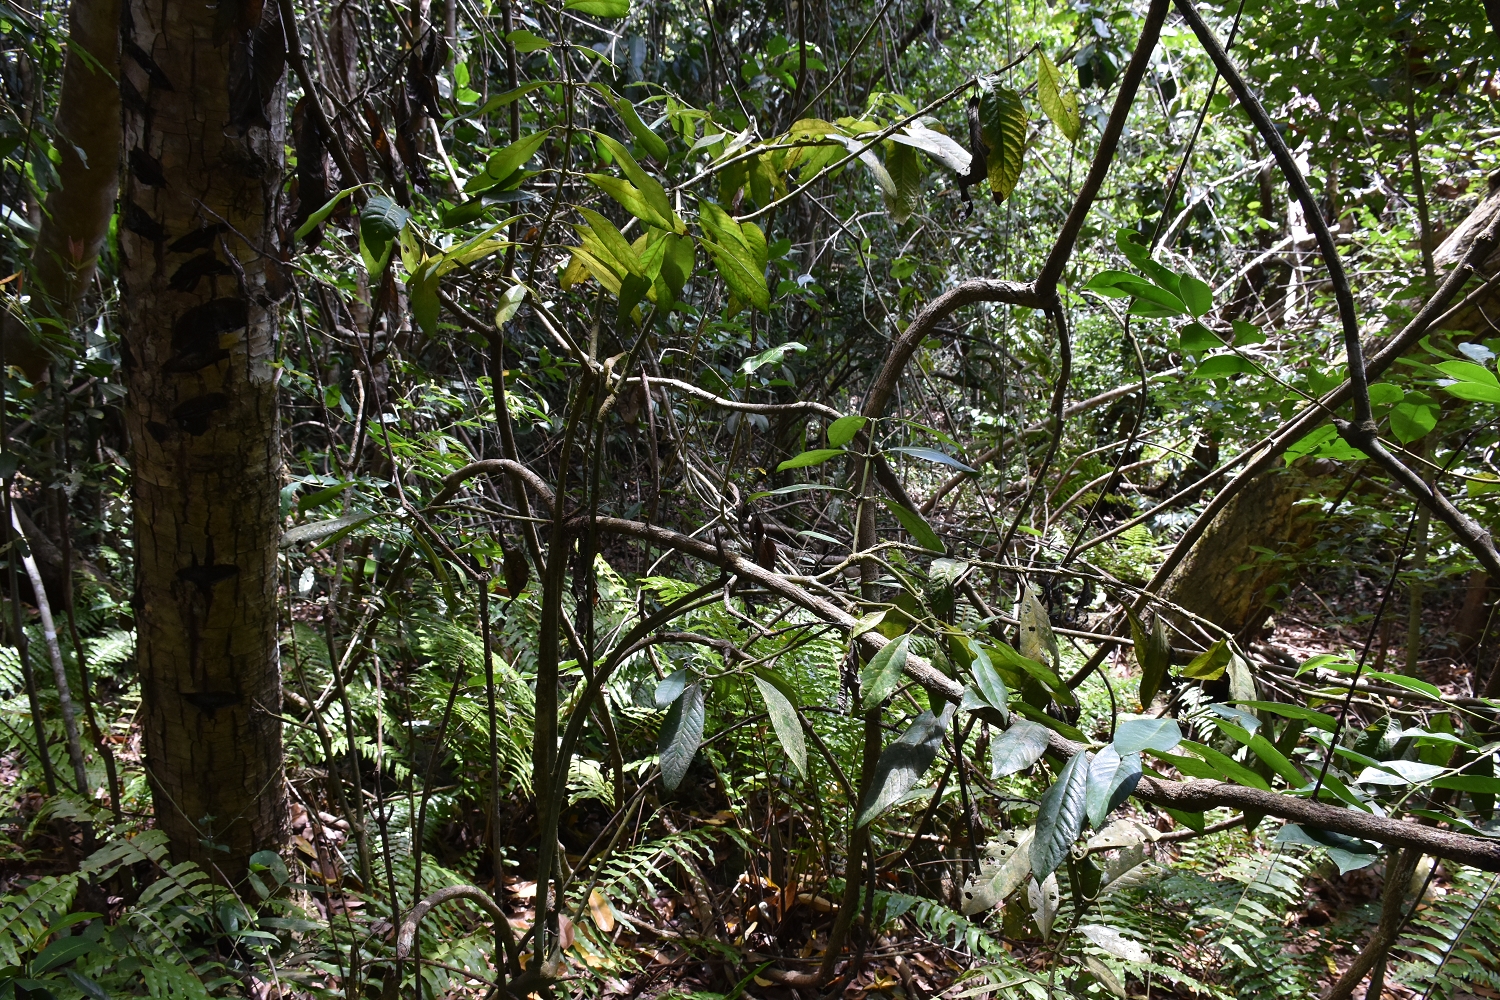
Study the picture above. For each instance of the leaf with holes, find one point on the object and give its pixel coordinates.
(784, 721)
(681, 735)
(1037, 639)
(1058, 103)
(1002, 126)
(903, 763)
(1004, 868)
(1059, 818)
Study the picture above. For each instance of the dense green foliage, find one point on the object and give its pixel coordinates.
(657, 257)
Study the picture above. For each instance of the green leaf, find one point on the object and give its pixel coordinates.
(1059, 818)
(1121, 284)
(987, 680)
(270, 861)
(1320, 719)
(1002, 127)
(318, 530)
(681, 735)
(654, 145)
(1058, 103)
(1349, 853)
(670, 687)
(1195, 294)
(842, 430)
(1472, 783)
(739, 252)
(380, 222)
(817, 456)
(784, 720)
(1266, 751)
(903, 763)
(1222, 365)
(920, 531)
(1468, 371)
(1153, 654)
(1037, 639)
(599, 8)
(1409, 683)
(84, 985)
(1229, 768)
(1056, 725)
(905, 171)
(526, 41)
(1112, 777)
(1474, 392)
(935, 456)
(510, 304)
(505, 162)
(1132, 243)
(1196, 337)
(1018, 748)
(321, 215)
(631, 198)
(1210, 664)
(651, 191)
(501, 100)
(1136, 733)
(1412, 421)
(60, 952)
(775, 356)
(882, 674)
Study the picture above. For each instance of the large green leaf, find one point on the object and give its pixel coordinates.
(816, 456)
(1058, 103)
(882, 674)
(739, 252)
(651, 191)
(1112, 777)
(631, 197)
(784, 720)
(902, 764)
(1411, 421)
(613, 243)
(681, 735)
(1209, 665)
(505, 162)
(842, 430)
(1134, 734)
(987, 679)
(654, 145)
(906, 174)
(1018, 748)
(917, 527)
(380, 223)
(1059, 818)
(599, 8)
(1002, 125)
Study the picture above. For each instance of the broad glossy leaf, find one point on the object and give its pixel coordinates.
(1195, 337)
(681, 735)
(1134, 734)
(631, 198)
(1322, 720)
(1018, 748)
(1409, 683)
(1058, 103)
(916, 526)
(1111, 780)
(933, 455)
(739, 252)
(902, 764)
(1002, 124)
(654, 145)
(1223, 365)
(843, 430)
(1229, 768)
(1468, 371)
(784, 720)
(510, 304)
(380, 222)
(504, 162)
(320, 216)
(1349, 853)
(1119, 284)
(527, 41)
(1474, 392)
(1132, 243)
(905, 169)
(1406, 772)
(816, 456)
(1210, 664)
(670, 687)
(612, 243)
(649, 187)
(882, 674)
(987, 679)
(1105, 978)
(1195, 294)
(1059, 818)
(1004, 868)
(1412, 421)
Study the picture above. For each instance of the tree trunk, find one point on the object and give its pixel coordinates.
(78, 210)
(1224, 578)
(204, 144)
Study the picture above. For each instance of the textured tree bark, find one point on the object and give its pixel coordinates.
(204, 134)
(1211, 581)
(77, 214)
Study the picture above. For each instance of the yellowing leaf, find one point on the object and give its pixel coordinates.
(601, 911)
(1059, 104)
